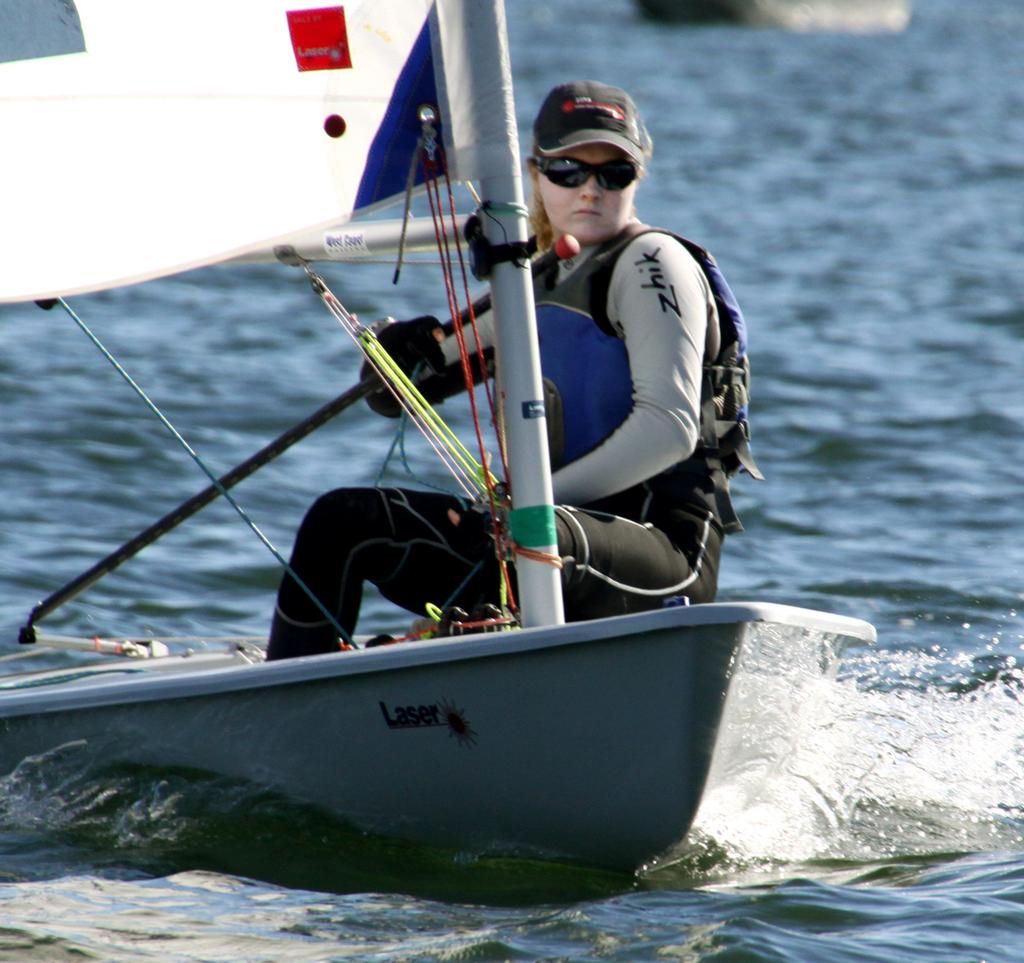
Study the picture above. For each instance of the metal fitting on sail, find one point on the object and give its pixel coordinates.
(427, 116)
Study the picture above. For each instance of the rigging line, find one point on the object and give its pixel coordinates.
(410, 182)
(438, 435)
(470, 314)
(472, 469)
(417, 409)
(442, 238)
(437, 212)
(198, 501)
(209, 474)
(434, 168)
(470, 475)
(397, 449)
(396, 442)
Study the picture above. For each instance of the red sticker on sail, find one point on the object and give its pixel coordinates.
(319, 38)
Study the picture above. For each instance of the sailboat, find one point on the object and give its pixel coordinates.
(591, 741)
(811, 15)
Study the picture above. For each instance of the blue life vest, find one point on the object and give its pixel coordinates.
(587, 381)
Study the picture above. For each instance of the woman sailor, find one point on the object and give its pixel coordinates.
(629, 329)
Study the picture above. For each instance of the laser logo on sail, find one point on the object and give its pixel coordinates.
(319, 38)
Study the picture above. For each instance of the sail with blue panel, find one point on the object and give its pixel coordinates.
(147, 147)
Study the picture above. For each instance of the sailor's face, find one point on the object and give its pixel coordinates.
(589, 212)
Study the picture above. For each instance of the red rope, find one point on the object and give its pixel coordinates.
(434, 172)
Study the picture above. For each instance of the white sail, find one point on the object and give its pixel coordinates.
(157, 145)
(169, 139)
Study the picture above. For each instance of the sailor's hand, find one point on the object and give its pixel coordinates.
(474, 530)
(410, 345)
(411, 342)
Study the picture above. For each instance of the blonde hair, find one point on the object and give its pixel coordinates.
(540, 225)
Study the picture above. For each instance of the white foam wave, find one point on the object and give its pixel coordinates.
(812, 767)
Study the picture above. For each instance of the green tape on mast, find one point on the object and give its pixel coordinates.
(533, 526)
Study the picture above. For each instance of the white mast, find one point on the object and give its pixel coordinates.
(478, 84)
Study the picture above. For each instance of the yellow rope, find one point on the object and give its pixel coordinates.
(418, 406)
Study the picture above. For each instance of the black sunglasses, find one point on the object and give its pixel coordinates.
(569, 172)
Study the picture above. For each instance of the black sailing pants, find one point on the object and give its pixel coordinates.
(425, 547)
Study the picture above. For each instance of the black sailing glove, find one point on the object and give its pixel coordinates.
(410, 344)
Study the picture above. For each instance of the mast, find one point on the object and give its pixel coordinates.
(481, 111)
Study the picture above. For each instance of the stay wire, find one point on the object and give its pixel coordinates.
(342, 634)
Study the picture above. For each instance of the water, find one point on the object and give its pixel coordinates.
(863, 196)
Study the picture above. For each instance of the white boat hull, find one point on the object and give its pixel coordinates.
(590, 742)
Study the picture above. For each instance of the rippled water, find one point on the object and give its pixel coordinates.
(863, 196)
